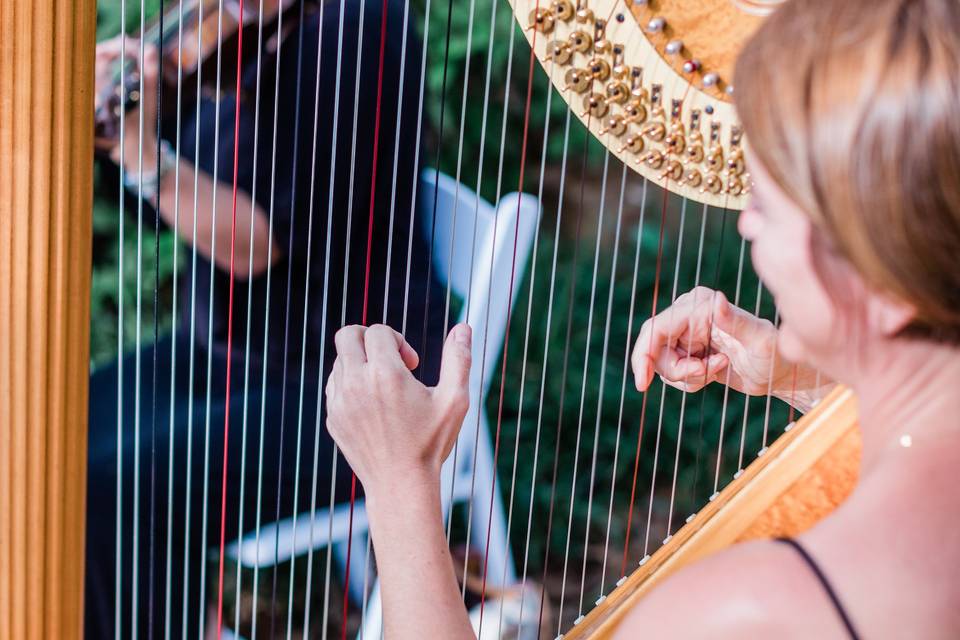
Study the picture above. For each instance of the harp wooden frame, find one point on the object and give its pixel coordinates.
(46, 170)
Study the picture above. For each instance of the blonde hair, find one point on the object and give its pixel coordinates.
(853, 109)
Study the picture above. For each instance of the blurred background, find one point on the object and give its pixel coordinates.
(572, 400)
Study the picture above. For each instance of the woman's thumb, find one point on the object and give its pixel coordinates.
(455, 364)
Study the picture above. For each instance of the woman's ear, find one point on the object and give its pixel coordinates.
(890, 315)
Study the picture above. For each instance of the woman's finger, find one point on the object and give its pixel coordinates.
(662, 331)
(382, 346)
(350, 348)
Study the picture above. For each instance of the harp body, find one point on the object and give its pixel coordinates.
(686, 140)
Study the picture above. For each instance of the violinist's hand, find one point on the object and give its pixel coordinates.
(107, 67)
(391, 427)
(702, 338)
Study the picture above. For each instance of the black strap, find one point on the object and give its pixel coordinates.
(826, 585)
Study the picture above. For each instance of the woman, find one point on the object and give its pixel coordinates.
(855, 228)
(280, 323)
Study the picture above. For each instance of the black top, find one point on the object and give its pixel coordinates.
(299, 221)
(847, 623)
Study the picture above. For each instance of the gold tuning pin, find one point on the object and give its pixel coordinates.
(657, 129)
(692, 178)
(676, 141)
(614, 125)
(578, 80)
(563, 10)
(581, 41)
(635, 111)
(712, 184)
(653, 159)
(584, 15)
(541, 20)
(617, 92)
(559, 51)
(734, 186)
(735, 163)
(674, 171)
(632, 143)
(715, 154)
(600, 69)
(595, 105)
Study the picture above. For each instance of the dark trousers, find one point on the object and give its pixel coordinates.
(167, 440)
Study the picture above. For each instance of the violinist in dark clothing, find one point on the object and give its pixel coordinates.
(301, 162)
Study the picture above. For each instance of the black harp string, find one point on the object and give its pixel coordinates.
(118, 540)
(248, 330)
(173, 343)
(564, 370)
(706, 374)
(436, 187)
(289, 287)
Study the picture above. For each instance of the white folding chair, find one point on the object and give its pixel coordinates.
(473, 253)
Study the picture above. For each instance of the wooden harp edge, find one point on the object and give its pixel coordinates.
(731, 512)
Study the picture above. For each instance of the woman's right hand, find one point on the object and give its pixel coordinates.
(702, 338)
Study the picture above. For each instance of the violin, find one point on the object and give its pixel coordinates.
(188, 34)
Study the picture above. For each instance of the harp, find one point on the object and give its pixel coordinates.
(650, 83)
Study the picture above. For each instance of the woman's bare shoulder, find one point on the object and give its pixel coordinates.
(753, 589)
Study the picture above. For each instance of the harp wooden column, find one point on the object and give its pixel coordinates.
(46, 153)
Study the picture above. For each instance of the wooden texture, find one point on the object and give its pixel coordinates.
(739, 511)
(712, 31)
(716, 28)
(46, 153)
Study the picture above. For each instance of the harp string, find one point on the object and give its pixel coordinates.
(193, 319)
(706, 374)
(663, 387)
(134, 584)
(173, 345)
(601, 212)
(646, 393)
(546, 351)
(473, 243)
(366, 281)
(330, 194)
(233, 243)
(773, 362)
(436, 187)
(121, 262)
(746, 398)
(486, 321)
(726, 382)
(623, 384)
(603, 371)
(153, 379)
(683, 390)
(201, 617)
(303, 334)
(289, 293)
(246, 359)
(453, 226)
(506, 336)
(526, 345)
(564, 368)
(266, 323)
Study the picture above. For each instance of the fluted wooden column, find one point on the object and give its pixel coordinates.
(46, 151)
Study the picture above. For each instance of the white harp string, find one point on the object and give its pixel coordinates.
(121, 263)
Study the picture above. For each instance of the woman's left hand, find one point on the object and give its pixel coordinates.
(389, 425)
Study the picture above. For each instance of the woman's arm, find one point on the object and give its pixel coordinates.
(210, 229)
(395, 433)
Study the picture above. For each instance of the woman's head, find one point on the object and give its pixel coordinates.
(852, 112)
